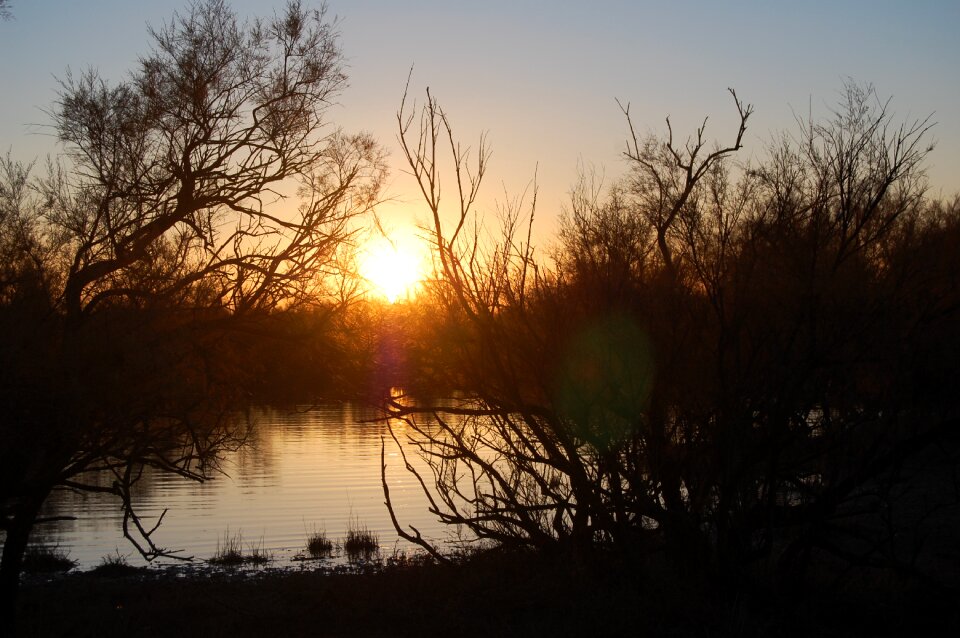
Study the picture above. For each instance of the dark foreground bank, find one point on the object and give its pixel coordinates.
(493, 596)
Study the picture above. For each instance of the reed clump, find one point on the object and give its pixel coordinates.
(257, 555)
(114, 565)
(230, 552)
(47, 559)
(318, 545)
(360, 542)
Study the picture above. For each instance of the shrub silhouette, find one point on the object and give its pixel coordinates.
(740, 365)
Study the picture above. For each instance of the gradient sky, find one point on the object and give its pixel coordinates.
(541, 78)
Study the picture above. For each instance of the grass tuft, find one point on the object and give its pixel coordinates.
(257, 555)
(114, 565)
(360, 541)
(230, 552)
(318, 545)
(46, 559)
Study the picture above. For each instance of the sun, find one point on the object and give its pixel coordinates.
(392, 267)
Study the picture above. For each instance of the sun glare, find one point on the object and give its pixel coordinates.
(392, 268)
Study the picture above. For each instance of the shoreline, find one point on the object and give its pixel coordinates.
(495, 595)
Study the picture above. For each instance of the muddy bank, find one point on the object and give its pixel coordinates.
(499, 596)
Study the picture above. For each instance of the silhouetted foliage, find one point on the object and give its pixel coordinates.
(742, 366)
(133, 276)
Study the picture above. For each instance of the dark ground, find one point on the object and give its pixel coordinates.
(496, 596)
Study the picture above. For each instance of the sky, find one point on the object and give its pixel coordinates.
(541, 79)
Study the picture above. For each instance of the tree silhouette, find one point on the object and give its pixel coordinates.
(732, 364)
(133, 270)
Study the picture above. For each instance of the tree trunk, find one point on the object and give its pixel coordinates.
(11, 563)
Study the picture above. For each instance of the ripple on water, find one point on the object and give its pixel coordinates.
(303, 471)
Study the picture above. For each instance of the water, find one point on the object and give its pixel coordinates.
(302, 471)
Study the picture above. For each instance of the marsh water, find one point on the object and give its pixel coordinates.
(303, 470)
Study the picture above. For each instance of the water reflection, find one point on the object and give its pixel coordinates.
(303, 471)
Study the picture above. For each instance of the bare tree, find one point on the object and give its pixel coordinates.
(665, 175)
(722, 362)
(535, 454)
(169, 228)
(510, 502)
